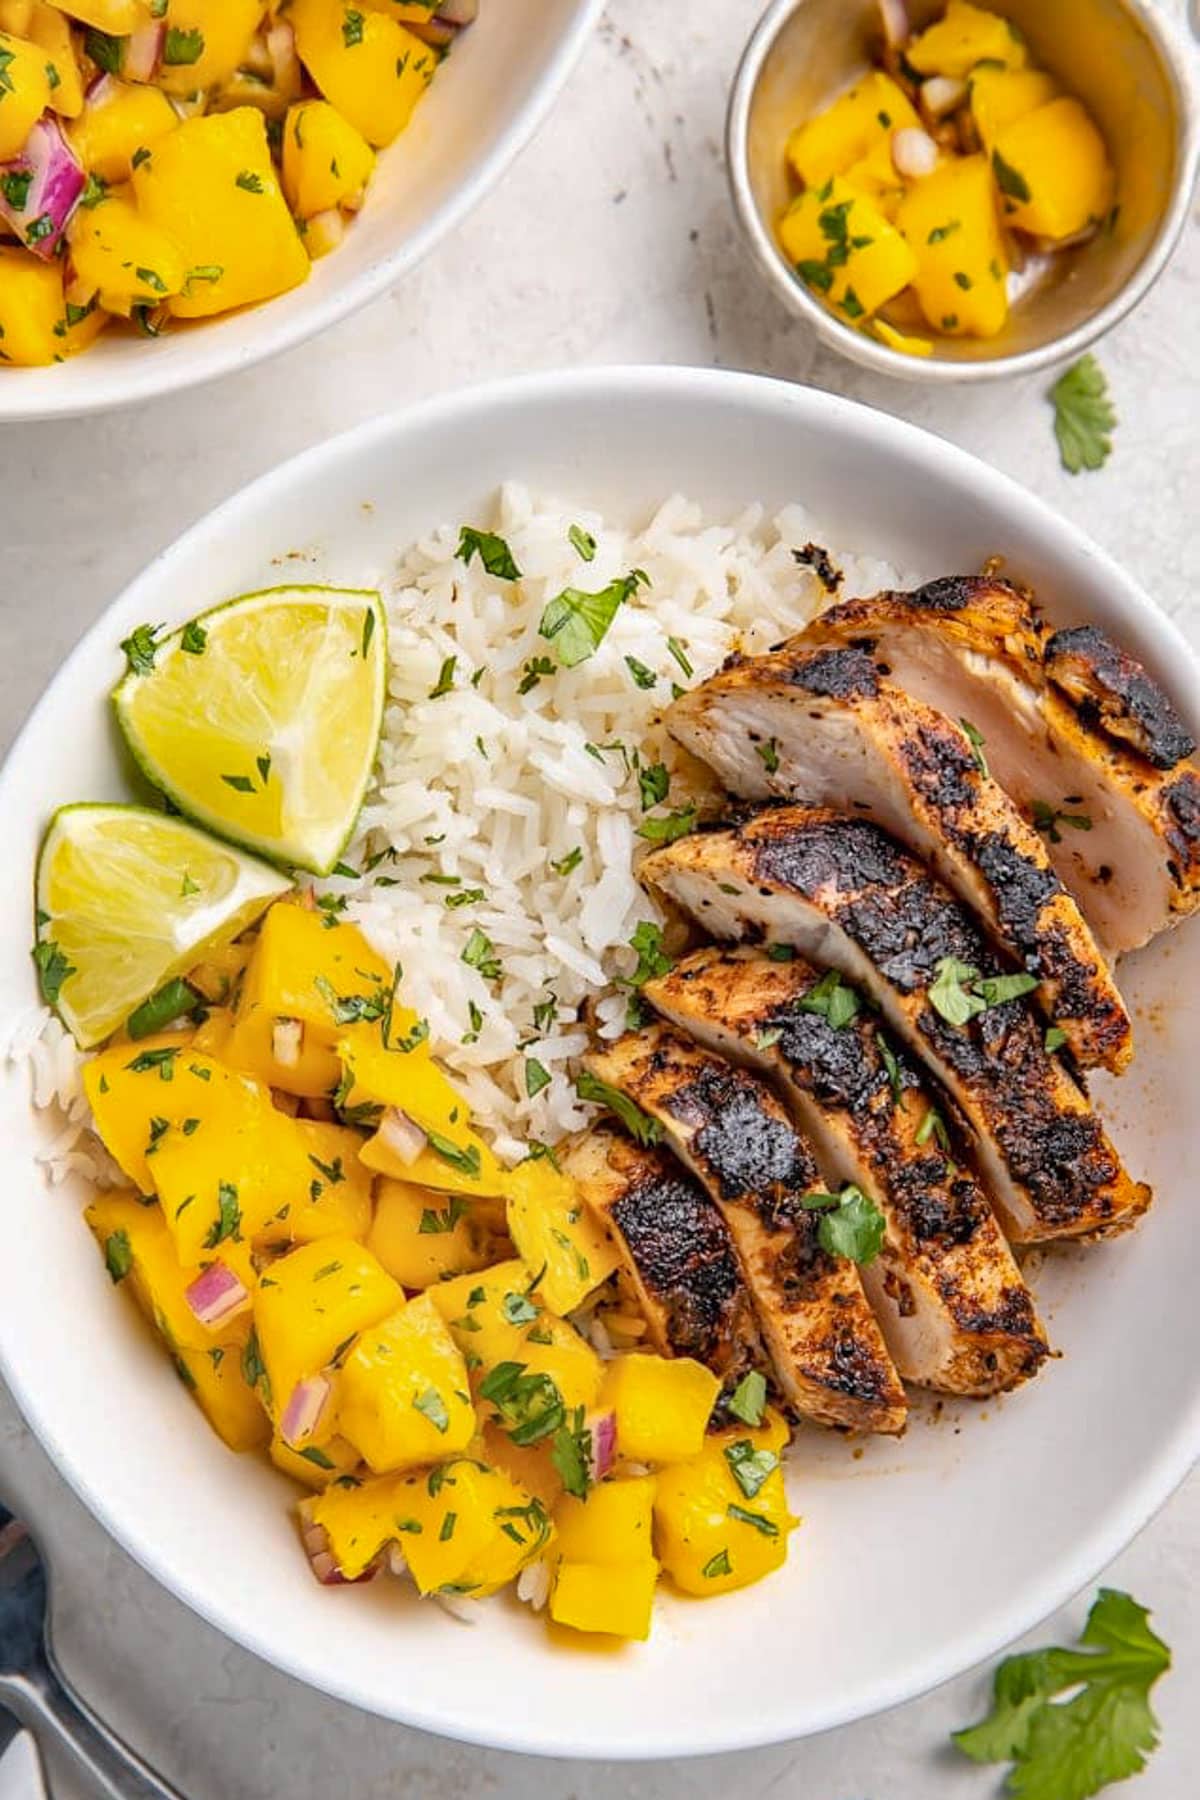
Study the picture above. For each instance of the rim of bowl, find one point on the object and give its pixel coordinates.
(1158, 1478)
(1178, 64)
(212, 362)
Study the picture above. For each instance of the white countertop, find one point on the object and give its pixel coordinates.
(611, 241)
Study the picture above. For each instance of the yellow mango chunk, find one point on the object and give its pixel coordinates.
(612, 1526)
(455, 1161)
(1053, 172)
(368, 66)
(844, 250)
(316, 1465)
(403, 1397)
(1001, 96)
(876, 178)
(326, 161)
(494, 1319)
(83, 326)
(122, 257)
(139, 1254)
(122, 119)
(359, 1520)
(963, 36)
(31, 309)
(721, 1519)
(422, 1237)
(24, 91)
(131, 1087)
(598, 1597)
(307, 966)
(904, 341)
(561, 1244)
(311, 1303)
(117, 17)
(46, 27)
(663, 1405)
(211, 185)
(206, 41)
(400, 1073)
(326, 1189)
(950, 220)
(531, 1466)
(859, 121)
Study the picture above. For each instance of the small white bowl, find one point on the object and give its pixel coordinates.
(489, 98)
(916, 1559)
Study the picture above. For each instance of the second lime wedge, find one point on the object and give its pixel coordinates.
(261, 718)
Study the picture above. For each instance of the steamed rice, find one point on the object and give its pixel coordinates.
(482, 790)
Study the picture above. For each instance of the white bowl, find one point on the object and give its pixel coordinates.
(915, 1559)
(487, 101)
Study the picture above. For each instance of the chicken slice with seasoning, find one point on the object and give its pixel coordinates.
(1074, 730)
(946, 1289)
(842, 892)
(676, 1249)
(823, 1340)
(823, 726)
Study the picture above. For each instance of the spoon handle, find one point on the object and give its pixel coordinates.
(41, 1699)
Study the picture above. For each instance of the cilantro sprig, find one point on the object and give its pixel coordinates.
(1084, 416)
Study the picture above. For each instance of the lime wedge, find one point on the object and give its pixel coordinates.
(261, 718)
(127, 899)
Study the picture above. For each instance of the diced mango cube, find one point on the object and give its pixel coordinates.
(31, 309)
(557, 1238)
(138, 1092)
(117, 17)
(963, 36)
(310, 967)
(422, 1237)
(24, 91)
(206, 41)
(494, 1319)
(402, 1073)
(721, 1519)
(316, 1465)
(951, 222)
(119, 121)
(326, 1189)
(212, 186)
(403, 1397)
(904, 341)
(663, 1405)
(311, 1304)
(326, 161)
(46, 27)
(859, 121)
(531, 1466)
(359, 1518)
(122, 257)
(612, 1526)
(876, 177)
(598, 1597)
(1001, 96)
(1053, 172)
(844, 249)
(368, 66)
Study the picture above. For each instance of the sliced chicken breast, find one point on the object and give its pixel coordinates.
(847, 896)
(823, 726)
(1119, 815)
(956, 1315)
(731, 1132)
(677, 1252)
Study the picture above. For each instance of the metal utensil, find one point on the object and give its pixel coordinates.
(32, 1688)
(1124, 61)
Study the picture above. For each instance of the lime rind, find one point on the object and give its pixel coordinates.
(313, 850)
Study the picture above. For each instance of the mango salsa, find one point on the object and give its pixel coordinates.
(613, 1525)
(663, 1405)
(1001, 96)
(119, 121)
(32, 309)
(403, 1395)
(24, 91)
(1053, 171)
(598, 1597)
(121, 259)
(721, 1519)
(310, 1306)
(326, 161)
(496, 1321)
(953, 228)
(422, 1236)
(558, 1240)
(857, 124)
(964, 36)
(843, 248)
(372, 69)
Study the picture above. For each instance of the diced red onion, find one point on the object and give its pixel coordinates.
(395, 1560)
(143, 51)
(287, 1041)
(914, 152)
(302, 1414)
(103, 89)
(603, 1427)
(217, 1296)
(941, 94)
(316, 1548)
(57, 180)
(444, 26)
(402, 1135)
(893, 16)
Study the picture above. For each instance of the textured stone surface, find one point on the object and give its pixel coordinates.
(611, 240)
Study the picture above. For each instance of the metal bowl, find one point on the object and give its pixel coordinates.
(1120, 57)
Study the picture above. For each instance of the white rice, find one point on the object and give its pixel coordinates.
(487, 788)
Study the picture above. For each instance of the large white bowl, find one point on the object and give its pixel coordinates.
(488, 100)
(915, 1559)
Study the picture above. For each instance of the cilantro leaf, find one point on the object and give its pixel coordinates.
(576, 623)
(851, 1226)
(492, 551)
(638, 1124)
(1084, 416)
(1104, 1733)
(948, 993)
(749, 1398)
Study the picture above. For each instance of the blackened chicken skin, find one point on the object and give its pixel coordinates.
(677, 1252)
(848, 897)
(823, 726)
(955, 1312)
(825, 1345)
(1076, 732)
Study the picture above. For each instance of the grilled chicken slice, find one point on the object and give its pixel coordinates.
(677, 1252)
(731, 1132)
(1121, 820)
(823, 726)
(843, 893)
(955, 1312)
